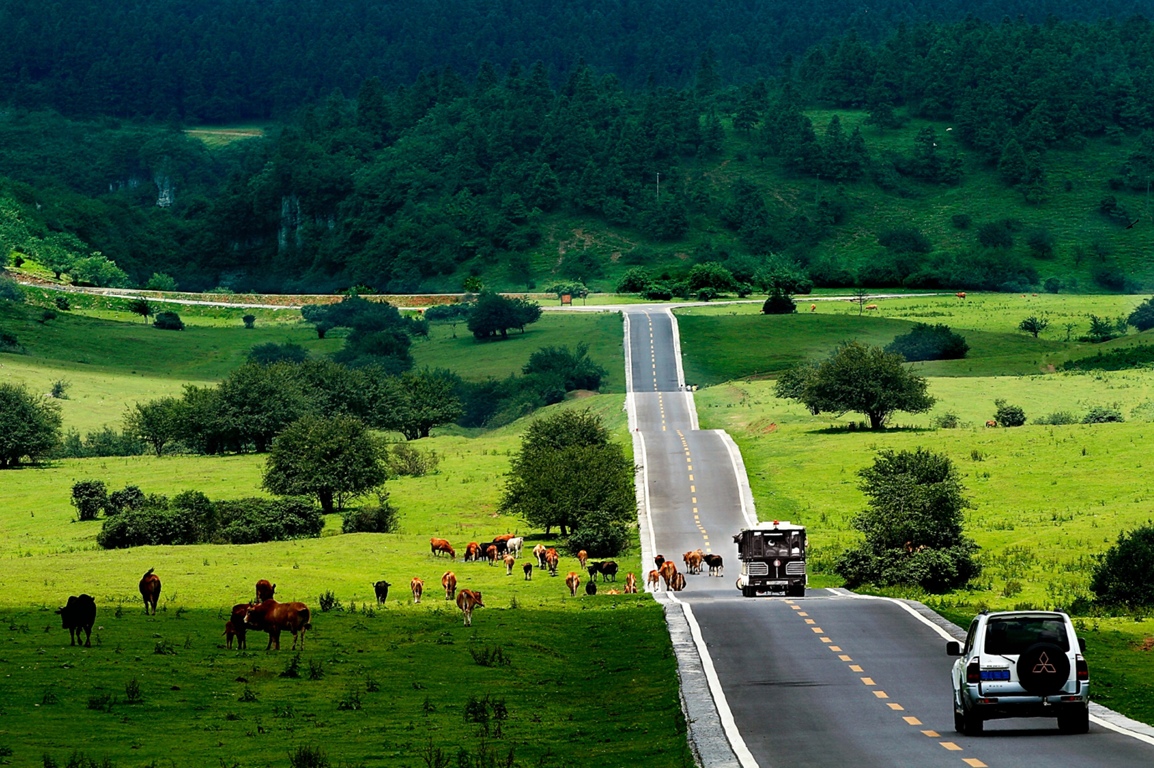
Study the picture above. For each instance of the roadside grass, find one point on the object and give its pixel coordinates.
(216, 137)
(566, 655)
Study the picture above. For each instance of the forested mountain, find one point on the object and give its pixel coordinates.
(221, 60)
(972, 154)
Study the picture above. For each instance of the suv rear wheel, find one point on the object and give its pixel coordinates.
(1074, 722)
(968, 723)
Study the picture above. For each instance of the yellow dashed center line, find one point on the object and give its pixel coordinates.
(853, 667)
(834, 648)
(931, 734)
(912, 720)
(898, 707)
(950, 746)
(881, 694)
(808, 621)
(818, 630)
(973, 762)
(868, 681)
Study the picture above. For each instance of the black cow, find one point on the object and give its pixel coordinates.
(502, 548)
(79, 614)
(590, 587)
(607, 569)
(382, 588)
(715, 564)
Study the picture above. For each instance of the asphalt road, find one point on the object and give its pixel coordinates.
(828, 679)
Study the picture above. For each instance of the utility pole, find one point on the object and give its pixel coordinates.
(659, 187)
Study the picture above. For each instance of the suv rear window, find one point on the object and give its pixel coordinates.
(1012, 636)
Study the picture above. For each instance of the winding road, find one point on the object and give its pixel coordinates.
(831, 679)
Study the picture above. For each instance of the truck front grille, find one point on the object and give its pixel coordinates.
(757, 569)
(795, 568)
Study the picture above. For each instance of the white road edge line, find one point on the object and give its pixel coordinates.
(736, 742)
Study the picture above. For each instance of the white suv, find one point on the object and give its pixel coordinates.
(1021, 664)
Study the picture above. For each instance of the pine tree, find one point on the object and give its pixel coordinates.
(1012, 165)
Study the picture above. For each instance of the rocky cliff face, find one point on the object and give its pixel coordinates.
(165, 190)
(289, 232)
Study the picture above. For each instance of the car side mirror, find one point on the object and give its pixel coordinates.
(1082, 644)
(953, 648)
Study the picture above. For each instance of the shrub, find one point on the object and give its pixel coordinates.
(599, 535)
(160, 282)
(9, 289)
(948, 420)
(634, 280)
(905, 240)
(381, 518)
(89, 497)
(403, 460)
(1101, 414)
(448, 312)
(62, 303)
(658, 292)
(249, 321)
(1009, 415)
(961, 220)
(328, 601)
(59, 389)
(1142, 317)
(168, 321)
(706, 294)
(1041, 243)
(575, 369)
(9, 342)
(252, 520)
(1122, 575)
(308, 757)
(47, 315)
(1058, 419)
(995, 235)
(128, 498)
(778, 303)
(1052, 285)
(929, 342)
(154, 524)
(132, 693)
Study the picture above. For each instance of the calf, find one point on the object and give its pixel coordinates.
(417, 585)
(273, 617)
(382, 590)
(668, 570)
(693, 562)
(510, 561)
(467, 600)
(528, 569)
(472, 552)
(653, 580)
(678, 582)
(591, 588)
(716, 567)
(539, 553)
(515, 545)
(442, 546)
(449, 582)
(582, 556)
(150, 590)
(551, 560)
(79, 614)
(491, 553)
(573, 581)
(239, 628)
(659, 560)
(264, 590)
(229, 634)
(631, 584)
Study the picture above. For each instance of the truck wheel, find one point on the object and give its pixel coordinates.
(959, 722)
(972, 724)
(1074, 722)
(797, 591)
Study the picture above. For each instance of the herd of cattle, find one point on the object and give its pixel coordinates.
(265, 614)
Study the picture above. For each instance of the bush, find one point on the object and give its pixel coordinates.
(1101, 414)
(1041, 243)
(1142, 317)
(1052, 285)
(778, 303)
(252, 520)
(128, 498)
(101, 443)
(160, 282)
(995, 235)
(270, 352)
(168, 321)
(9, 343)
(47, 315)
(381, 518)
(905, 240)
(576, 370)
(189, 518)
(155, 524)
(448, 312)
(934, 570)
(929, 342)
(948, 420)
(658, 292)
(1122, 575)
(599, 535)
(634, 280)
(59, 390)
(9, 289)
(961, 220)
(89, 497)
(1140, 356)
(403, 460)
(249, 321)
(1009, 415)
(1058, 419)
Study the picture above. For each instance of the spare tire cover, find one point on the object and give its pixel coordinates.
(1043, 669)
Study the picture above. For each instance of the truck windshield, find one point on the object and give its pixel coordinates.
(773, 544)
(1012, 636)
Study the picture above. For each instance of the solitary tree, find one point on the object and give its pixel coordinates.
(1034, 325)
(140, 307)
(859, 378)
(494, 314)
(29, 425)
(154, 422)
(860, 297)
(333, 460)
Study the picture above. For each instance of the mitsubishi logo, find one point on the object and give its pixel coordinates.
(1044, 665)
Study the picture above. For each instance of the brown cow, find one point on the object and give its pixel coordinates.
(150, 590)
(813, 307)
(442, 545)
(871, 306)
(668, 571)
(229, 634)
(678, 583)
(961, 294)
(503, 537)
(653, 580)
(539, 553)
(991, 423)
(582, 556)
(572, 581)
(273, 617)
(491, 553)
(510, 561)
(472, 552)
(467, 600)
(551, 560)
(449, 582)
(631, 584)
(528, 569)
(418, 587)
(693, 562)
(264, 590)
(239, 628)
(659, 560)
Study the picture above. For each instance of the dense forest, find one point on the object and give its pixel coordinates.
(511, 172)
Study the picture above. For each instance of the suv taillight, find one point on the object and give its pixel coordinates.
(973, 671)
(1083, 670)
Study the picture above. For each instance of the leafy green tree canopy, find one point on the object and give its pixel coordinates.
(1142, 317)
(1122, 575)
(29, 425)
(929, 342)
(155, 422)
(417, 401)
(494, 314)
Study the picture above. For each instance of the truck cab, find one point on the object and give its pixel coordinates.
(772, 559)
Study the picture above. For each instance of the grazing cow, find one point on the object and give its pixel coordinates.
(659, 560)
(871, 306)
(449, 582)
(442, 546)
(79, 614)
(503, 537)
(678, 583)
(150, 590)
(273, 617)
(382, 589)
(653, 580)
(515, 545)
(528, 569)
(491, 553)
(467, 600)
(472, 552)
(591, 588)
(668, 571)
(551, 560)
(239, 628)
(510, 561)
(613, 592)
(631, 584)
(961, 294)
(716, 567)
(229, 634)
(573, 581)
(991, 423)
(539, 553)
(607, 569)
(582, 556)
(813, 307)
(264, 590)
(417, 585)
